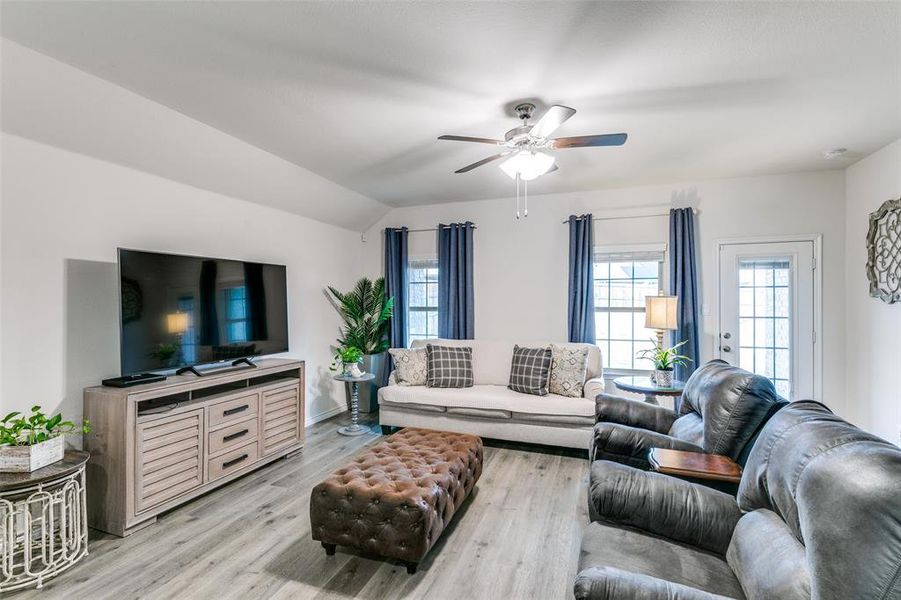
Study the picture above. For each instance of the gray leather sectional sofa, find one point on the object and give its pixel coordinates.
(817, 516)
(723, 409)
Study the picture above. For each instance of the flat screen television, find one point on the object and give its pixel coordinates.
(181, 311)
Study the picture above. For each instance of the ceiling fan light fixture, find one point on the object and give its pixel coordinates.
(528, 164)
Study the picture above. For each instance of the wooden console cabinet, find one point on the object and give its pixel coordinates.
(157, 445)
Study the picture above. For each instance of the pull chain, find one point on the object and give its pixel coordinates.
(517, 195)
(526, 199)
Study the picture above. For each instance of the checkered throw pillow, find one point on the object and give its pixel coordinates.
(449, 366)
(530, 370)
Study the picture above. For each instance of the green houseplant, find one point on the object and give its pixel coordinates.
(366, 311)
(29, 442)
(345, 356)
(664, 359)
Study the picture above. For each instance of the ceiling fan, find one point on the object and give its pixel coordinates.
(524, 148)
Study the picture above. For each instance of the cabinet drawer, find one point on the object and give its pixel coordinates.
(232, 436)
(169, 458)
(233, 460)
(236, 409)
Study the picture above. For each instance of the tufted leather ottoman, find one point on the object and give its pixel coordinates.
(395, 499)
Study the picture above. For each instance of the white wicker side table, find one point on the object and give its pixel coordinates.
(43, 522)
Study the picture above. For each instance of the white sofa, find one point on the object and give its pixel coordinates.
(489, 409)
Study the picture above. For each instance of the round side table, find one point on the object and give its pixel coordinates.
(644, 385)
(43, 522)
(354, 428)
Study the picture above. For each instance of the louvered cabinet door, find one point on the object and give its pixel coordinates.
(169, 457)
(281, 418)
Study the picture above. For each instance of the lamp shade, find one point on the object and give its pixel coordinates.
(660, 312)
(177, 322)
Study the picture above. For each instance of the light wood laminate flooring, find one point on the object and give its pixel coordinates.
(516, 537)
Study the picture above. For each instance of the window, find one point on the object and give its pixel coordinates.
(621, 282)
(423, 295)
(764, 317)
(236, 314)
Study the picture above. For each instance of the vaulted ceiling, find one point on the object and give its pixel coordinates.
(358, 92)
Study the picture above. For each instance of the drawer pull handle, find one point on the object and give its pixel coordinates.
(234, 411)
(234, 461)
(236, 435)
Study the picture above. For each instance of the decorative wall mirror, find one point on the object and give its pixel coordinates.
(884, 252)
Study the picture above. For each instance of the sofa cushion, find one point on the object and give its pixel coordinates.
(449, 367)
(605, 545)
(767, 559)
(529, 370)
(491, 397)
(411, 365)
(569, 367)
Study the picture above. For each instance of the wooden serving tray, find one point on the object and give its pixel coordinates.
(694, 464)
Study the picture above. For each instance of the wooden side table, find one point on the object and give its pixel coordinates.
(354, 428)
(694, 465)
(650, 390)
(43, 522)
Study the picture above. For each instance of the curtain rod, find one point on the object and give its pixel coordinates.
(421, 230)
(666, 214)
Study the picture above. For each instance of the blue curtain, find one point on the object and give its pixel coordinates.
(581, 279)
(683, 276)
(396, 280)
(455, 296)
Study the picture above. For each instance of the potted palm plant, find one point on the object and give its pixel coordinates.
(664, 359)
(28, 443)
(366, 311)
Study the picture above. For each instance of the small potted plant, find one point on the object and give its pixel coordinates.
(348, 359)
(28, 443)
(664, 360)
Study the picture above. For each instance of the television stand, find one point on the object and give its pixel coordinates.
(250, 365)
(157, 445)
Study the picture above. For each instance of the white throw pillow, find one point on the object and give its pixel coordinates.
(411, 366)
(569, 366)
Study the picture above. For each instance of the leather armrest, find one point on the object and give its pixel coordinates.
(630, 445)
(615, 409)
(608, 583)
(666, 506)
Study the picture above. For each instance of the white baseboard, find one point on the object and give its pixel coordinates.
(325, 415)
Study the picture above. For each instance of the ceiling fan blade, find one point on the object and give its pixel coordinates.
(463, 138)
(484, 161)
(582, 141)
(551, 120)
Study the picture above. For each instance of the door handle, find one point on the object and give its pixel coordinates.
(726, 348)
(727, 335)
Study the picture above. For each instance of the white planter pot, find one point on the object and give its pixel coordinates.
(663, 379)
(25, 459)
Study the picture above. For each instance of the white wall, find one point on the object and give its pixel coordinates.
(872, 328)
(521, 266)
(64, 215)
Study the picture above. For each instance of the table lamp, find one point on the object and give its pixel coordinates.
(177, 322)
(660, 314)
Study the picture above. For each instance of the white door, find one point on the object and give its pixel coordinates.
(766, 299)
